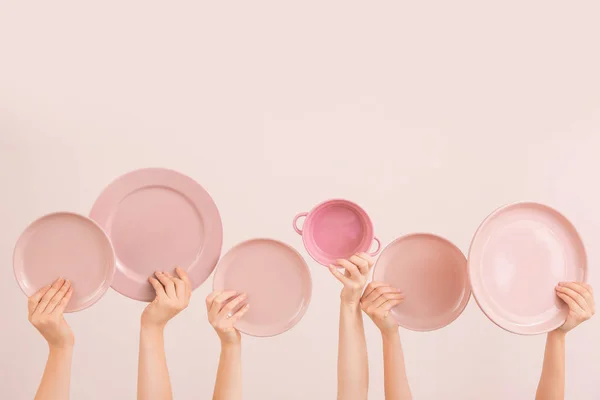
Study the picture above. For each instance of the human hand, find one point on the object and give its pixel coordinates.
(46, 309)
(224, 311)
(172, 296)
(579, 297)
(354, 278)
(377, 301)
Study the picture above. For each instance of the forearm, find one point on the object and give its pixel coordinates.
(394, 369)
(353, 369)
(552, 381)
(153, 374)
(228, 385)
(56, 381)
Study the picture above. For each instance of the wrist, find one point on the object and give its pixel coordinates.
(557, 334)
(231, 344)
(390, 334)
(65, 348)
(152, 326)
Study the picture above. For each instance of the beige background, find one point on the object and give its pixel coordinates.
(430, 114)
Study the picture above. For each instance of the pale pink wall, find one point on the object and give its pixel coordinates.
(429, 114)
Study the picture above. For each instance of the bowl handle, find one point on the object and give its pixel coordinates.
(296, 218)
(374, 252)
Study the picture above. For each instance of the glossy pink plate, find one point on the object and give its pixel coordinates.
(336, 229)
(432, 274)
(158, 219)
(276, 279)
(69, 246)
(517, 257)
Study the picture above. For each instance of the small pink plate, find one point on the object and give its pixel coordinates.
(517, 257)
(432, 274)
(276, 279)
(69, 246)
(158, 219)
(336, 229)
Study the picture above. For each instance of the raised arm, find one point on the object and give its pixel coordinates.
(580, 299)
(224, 310)
(353, 367)
(46, 309)
(377, 301)
(172, 296)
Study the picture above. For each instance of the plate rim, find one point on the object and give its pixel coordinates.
(169, 171)
(468, 292)
(302, 312)
(498, 210)
(108, 281)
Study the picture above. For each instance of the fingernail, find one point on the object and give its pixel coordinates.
(243, 295)
(562, 283)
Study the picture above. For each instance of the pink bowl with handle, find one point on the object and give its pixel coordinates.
(335, 229)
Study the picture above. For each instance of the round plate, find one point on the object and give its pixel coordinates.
(276, 279)
(158, 219)
(69, 246)
(432, 274)
(517, 257)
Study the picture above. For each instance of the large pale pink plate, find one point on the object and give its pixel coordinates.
(65, 245)
(517, 256)
(158, 219)
(276, 279)
(431, 272)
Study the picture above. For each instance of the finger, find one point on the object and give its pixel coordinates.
(180, 288)
(58, 297)
(362, 264)
(184, 277)
(49, 295)
(338, 275)
(580, 288)
(239, 314)
(349, 267)
(62, 305)
(574, 295)
(368, 259)
(167, 282)
(33, 301)
(372, 286)
(210, 298)
(576, 286)
(378, 292)
(573, 306)
(233, 305)
(385, 297)
(158, 288)
(220, 301)
(388, 305)
(588, 287)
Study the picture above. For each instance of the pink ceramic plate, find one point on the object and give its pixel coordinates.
(336, 229)
(432, 274)
(518, 255)
(69, 246)
(158, 219)
(276, 279)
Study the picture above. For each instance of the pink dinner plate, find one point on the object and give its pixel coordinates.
(431, 272)
(158, 219)
(65, 245)
(517, 257)
(276, 279)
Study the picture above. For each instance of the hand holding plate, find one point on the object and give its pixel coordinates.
(224, 310)
(46, 309)
(579, 297)
(172, 296)
(377, 301)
